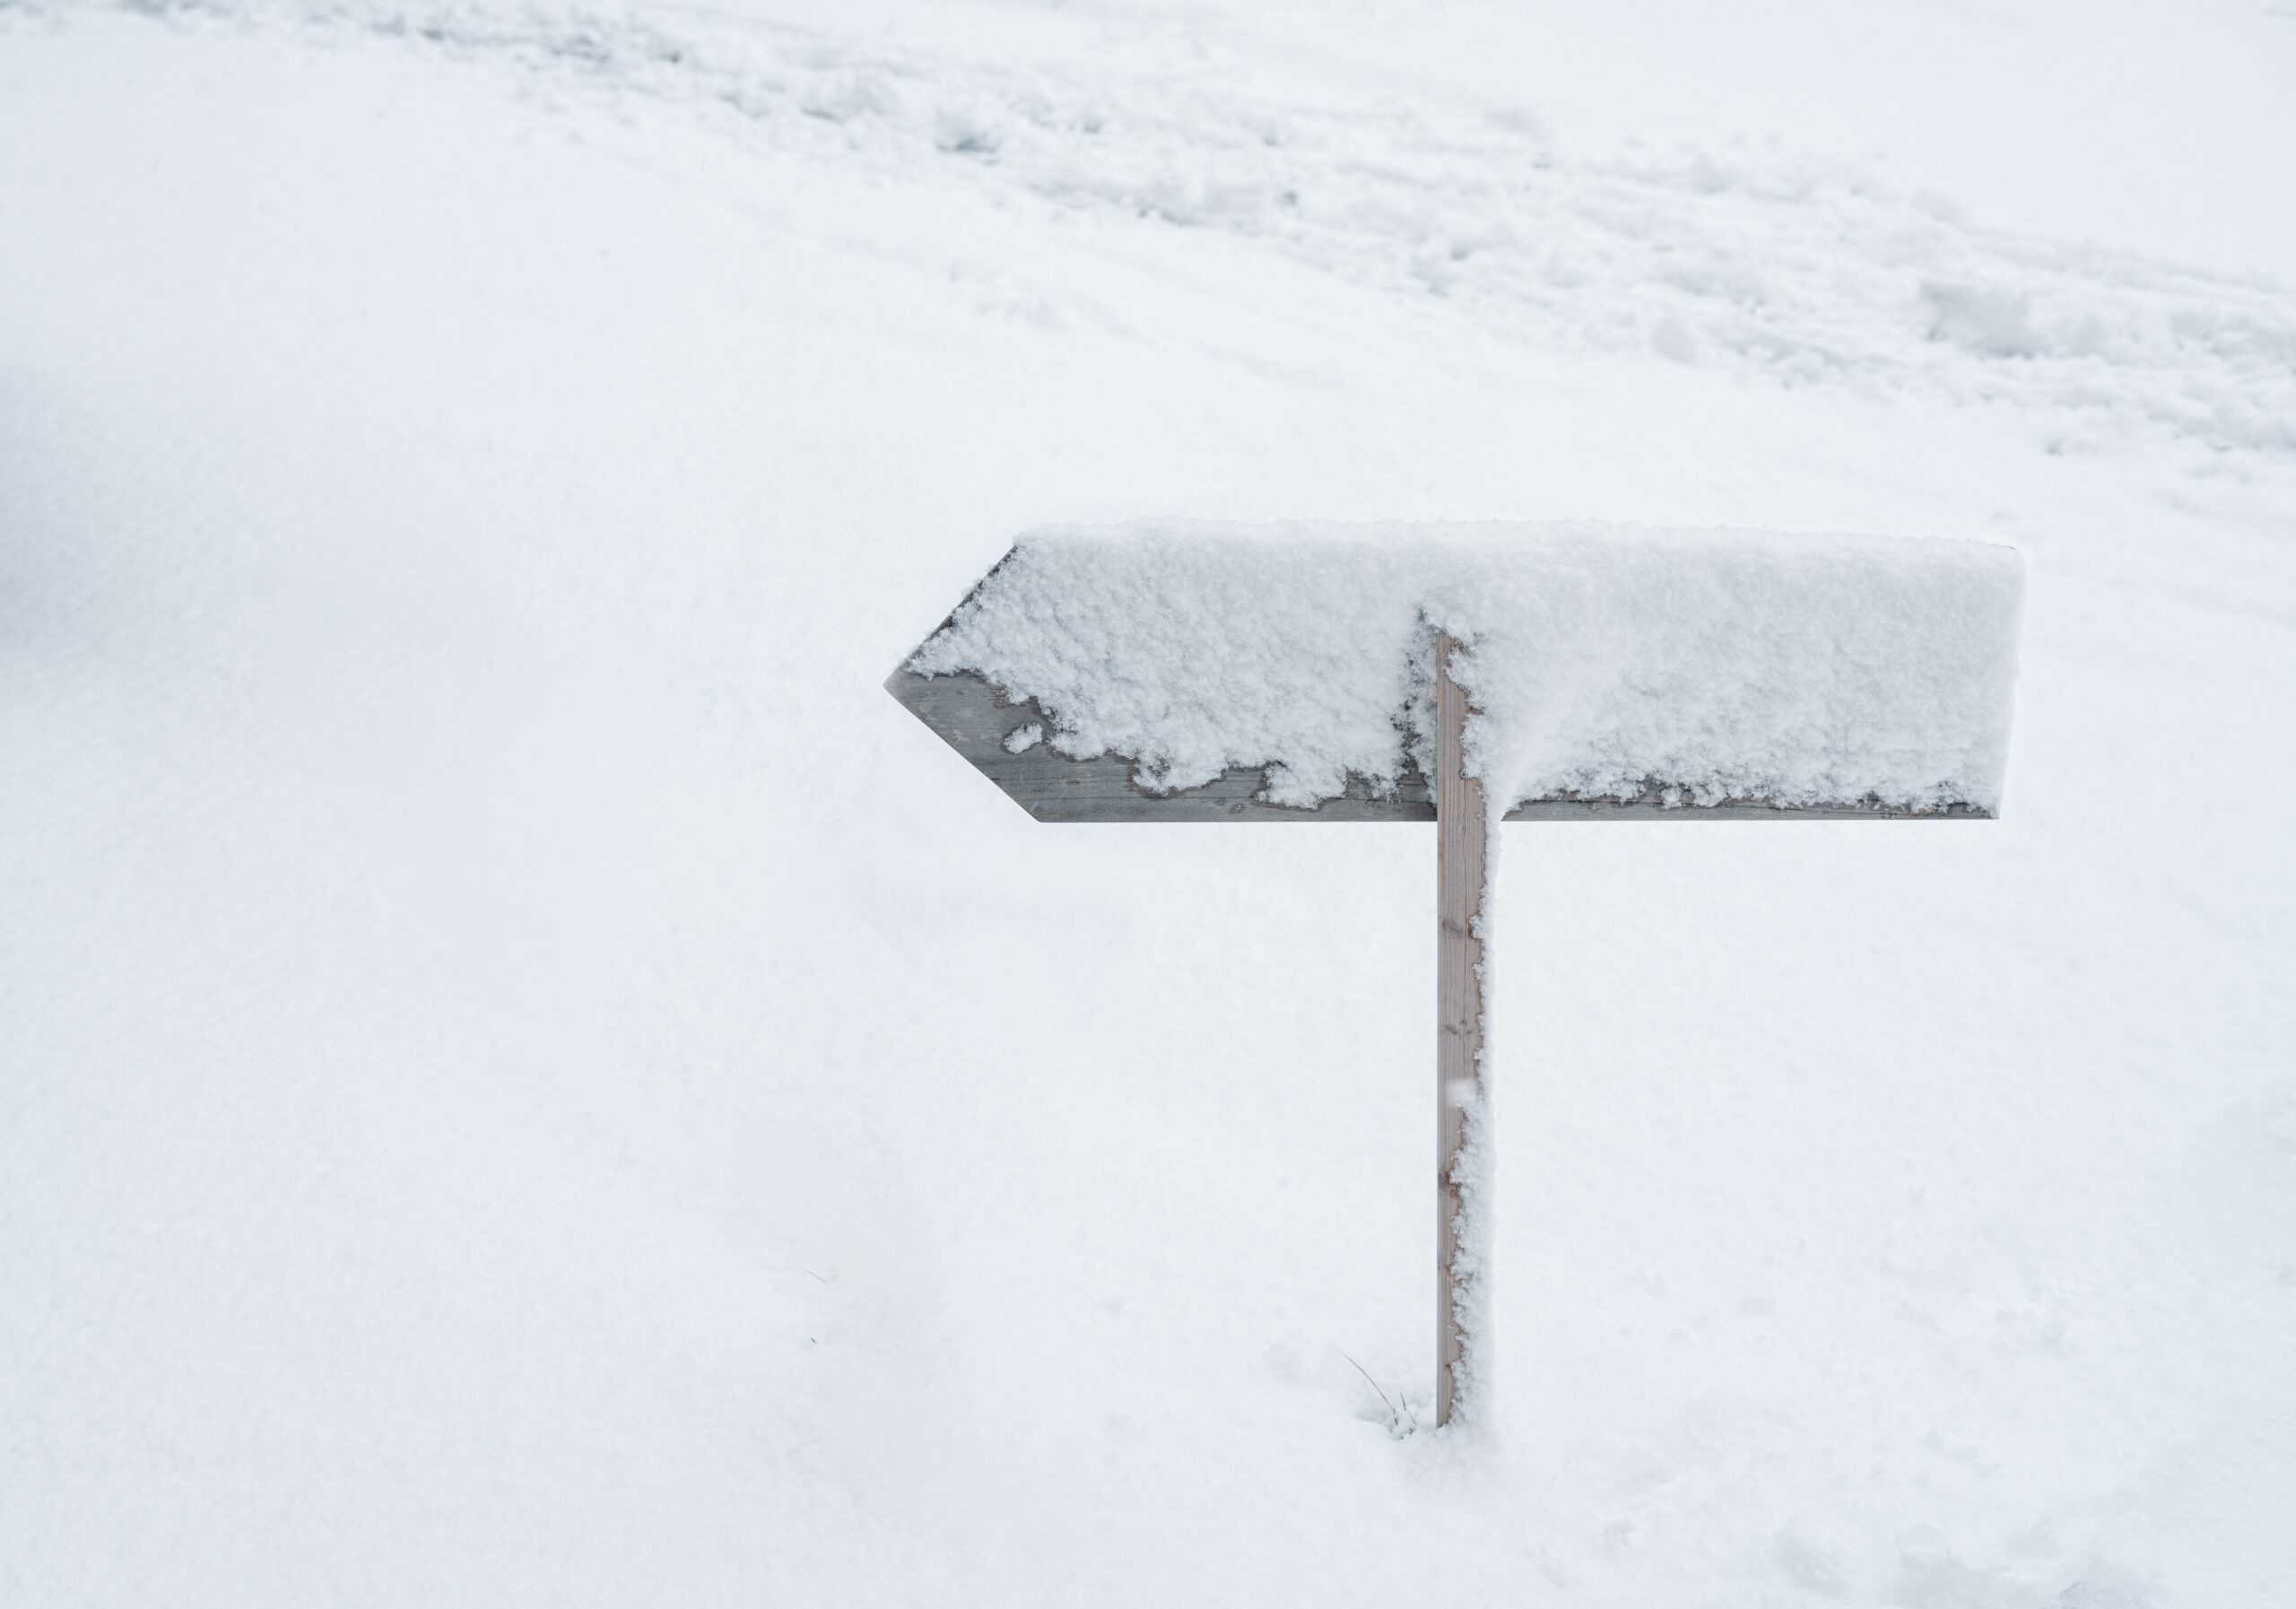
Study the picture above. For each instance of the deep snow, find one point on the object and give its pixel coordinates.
(524, 1078)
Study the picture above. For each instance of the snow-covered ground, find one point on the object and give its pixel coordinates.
(525, 1078)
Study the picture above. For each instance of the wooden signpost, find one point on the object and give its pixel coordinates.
(991, 730)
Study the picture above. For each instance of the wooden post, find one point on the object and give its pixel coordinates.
(1459, 848)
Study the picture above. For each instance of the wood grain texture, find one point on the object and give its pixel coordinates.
(975, 719)
(1460, 843)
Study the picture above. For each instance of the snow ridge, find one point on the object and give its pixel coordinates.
(1791, 271)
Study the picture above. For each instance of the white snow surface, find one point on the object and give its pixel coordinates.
(1601, 662)
(526, 1080)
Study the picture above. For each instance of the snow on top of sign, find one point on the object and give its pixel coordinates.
(1601, 660)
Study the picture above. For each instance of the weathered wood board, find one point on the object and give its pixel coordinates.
(977, 719)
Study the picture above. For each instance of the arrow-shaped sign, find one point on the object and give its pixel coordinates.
(1733, 676)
